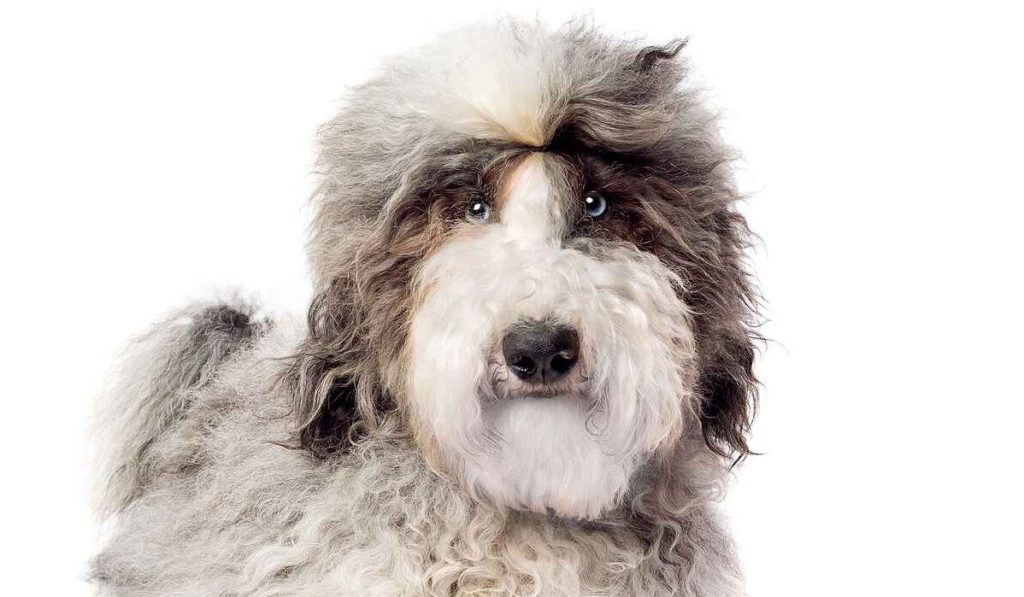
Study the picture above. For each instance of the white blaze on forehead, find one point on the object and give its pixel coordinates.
(529, 210)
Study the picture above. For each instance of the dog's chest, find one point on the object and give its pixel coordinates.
(518, 559)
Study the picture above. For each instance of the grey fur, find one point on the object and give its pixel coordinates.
(259, 461)
(239, 510)
(157, 383)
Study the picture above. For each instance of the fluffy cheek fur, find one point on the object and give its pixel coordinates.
(572, 454)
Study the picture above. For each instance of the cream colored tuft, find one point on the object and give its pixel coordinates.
(488, 82)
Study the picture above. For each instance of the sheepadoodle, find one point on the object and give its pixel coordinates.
(526, 369)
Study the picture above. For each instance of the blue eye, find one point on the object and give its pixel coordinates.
(478, 209)
(594, 204)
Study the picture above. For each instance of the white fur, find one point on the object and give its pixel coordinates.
(572, 454)
(491, 86)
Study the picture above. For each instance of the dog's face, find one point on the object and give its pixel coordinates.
(528, 259)
(545, 359)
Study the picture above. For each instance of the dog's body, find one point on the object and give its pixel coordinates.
(501, 389)
(225, 505)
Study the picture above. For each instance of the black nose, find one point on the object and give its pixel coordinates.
(540, 352)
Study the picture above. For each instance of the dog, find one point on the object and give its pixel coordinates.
(526, 369)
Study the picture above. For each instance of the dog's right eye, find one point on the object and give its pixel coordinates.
(478, 209)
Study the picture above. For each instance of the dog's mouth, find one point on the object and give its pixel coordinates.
(502, 385)
(542, 390)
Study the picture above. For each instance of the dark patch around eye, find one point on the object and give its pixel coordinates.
(626, 212)
(460, 186)
(594, 204)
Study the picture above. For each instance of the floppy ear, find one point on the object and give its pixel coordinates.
(334, 387)
(724, 301)
(729, 393)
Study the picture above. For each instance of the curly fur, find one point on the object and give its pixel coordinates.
(327, 457)
(158, 381)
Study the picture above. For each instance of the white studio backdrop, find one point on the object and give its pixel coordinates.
(150, 155)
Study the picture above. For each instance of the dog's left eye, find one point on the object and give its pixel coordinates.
(478, 209)
(594, 204)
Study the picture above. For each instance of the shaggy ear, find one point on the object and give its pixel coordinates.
(328, 376)
(648, 57)
(729, 391)
(325, 407)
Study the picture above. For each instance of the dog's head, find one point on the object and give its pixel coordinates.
(528, 259)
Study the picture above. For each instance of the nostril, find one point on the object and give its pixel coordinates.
(562, 362)
(523, 367)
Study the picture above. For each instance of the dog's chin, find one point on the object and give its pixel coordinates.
(547, 457)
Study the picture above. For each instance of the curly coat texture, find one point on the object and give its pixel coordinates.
(284, 459)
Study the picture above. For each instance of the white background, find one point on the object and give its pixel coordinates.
(153, 155)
